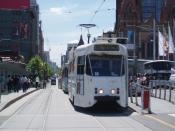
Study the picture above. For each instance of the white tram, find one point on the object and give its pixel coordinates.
(98, 72)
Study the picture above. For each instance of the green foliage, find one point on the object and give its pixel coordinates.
(37, 66)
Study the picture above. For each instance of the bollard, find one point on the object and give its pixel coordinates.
(160, 91)
(136, 94)
(146, 100)
(155, 88)
(165, 91)
(130, 91)
(170, 93)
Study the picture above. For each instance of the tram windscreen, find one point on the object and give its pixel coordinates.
(106, 65)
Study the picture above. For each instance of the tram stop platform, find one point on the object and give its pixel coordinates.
(6, 99)
(157, 106)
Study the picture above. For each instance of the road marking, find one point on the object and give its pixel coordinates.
(161, 121)
(47, 110)
(172, 115)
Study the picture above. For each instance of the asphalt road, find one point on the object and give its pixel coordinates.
(50, 110)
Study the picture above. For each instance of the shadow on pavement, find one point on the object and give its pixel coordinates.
(106, 109)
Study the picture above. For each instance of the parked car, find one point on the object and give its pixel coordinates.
(53, 81)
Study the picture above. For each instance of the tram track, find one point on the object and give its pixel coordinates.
(40, 107)
(47, 104)
(30, 100)
(103, 127)
(33, 99)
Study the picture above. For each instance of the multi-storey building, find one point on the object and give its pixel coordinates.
(41, 42)
(19, 27)
(47, 56)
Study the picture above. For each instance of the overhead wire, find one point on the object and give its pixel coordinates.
(96, 11)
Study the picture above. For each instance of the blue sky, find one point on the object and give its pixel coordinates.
(60, 20)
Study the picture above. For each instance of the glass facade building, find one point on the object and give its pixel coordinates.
(152, 8)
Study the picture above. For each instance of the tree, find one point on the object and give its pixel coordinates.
(47, 70)
(35, 66)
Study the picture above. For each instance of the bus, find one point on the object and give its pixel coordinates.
(98, 72)
(159, 69)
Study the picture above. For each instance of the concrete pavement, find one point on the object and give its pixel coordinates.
(9, 98)
(162, 117)
(50, 110)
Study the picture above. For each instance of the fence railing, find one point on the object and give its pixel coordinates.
(140, 96)
(163, 89)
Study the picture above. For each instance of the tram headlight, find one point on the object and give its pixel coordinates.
(113, 91)
(101, 91)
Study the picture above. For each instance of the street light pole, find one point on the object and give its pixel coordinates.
(135, 57)
(154, 39)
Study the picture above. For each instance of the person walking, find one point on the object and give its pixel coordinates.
(44, 83)
(16, 83)
(37, 82)
(9, 83)
(25, 84)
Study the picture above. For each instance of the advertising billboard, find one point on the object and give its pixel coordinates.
(14, 4)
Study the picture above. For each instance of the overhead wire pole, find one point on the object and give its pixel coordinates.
(87, 26)
(90, 25)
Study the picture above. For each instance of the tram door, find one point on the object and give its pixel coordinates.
(80, 75)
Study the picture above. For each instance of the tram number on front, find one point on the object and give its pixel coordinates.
(106, 47)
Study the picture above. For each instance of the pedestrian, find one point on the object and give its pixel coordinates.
(25, 83)
(44, 83)
(21, 81)
(16, 83)
(37, 82)
(9, 83)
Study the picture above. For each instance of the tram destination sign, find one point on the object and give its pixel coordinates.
(106, 47)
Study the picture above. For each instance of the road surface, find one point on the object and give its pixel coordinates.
(50, 110)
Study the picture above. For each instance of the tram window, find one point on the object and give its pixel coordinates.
(80, 65)
(88, 68)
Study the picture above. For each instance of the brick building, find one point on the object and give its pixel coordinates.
(134, 19)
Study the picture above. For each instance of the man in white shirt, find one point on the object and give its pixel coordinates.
(37, 81)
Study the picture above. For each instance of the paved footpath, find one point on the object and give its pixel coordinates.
(163, 114)
(9, 98)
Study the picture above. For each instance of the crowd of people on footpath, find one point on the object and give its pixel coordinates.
(14, 83)
(142, 79)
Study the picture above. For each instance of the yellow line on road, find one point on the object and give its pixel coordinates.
(161, 121)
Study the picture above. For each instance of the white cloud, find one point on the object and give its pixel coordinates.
(58, 10)
(74, 41)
